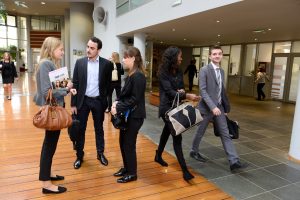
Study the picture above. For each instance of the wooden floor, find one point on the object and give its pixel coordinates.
(20, 151)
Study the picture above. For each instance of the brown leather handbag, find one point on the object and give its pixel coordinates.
(52, 116)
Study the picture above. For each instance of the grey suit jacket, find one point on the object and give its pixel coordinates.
(208, 86)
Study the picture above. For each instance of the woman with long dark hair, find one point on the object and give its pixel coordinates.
(132, 97)
(9, 73)
(171, 83)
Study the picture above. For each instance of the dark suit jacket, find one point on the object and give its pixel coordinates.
(168, 86)
(80, 80)
(209, 90)
(133, 95)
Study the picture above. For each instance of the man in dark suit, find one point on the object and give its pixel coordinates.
(213, 107)
(92, 79)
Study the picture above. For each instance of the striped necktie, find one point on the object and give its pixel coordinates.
(219, 83)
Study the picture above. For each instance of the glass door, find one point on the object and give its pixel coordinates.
(278, 76)
(295, 72)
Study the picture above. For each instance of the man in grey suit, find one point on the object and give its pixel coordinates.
(213, 107)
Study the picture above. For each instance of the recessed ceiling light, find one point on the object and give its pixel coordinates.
(43, 3)
(219, 35)
(255, 39)
(161, 42)
(218, 21)
(269, 29)
(218, 42)
(173, 29)
(184, 39)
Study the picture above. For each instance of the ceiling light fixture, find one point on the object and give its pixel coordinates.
(219, 35)
(21, 4)
(43, 3)
(255, 39)
(218, 21)
(258, 31)
(173, 29)
(184, 39)
(269, 29)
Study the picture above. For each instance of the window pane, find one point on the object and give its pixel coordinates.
(265, 52)
(11, 20)
(250, 60)
(137, 3)
(23, 34)
(282, 47)
(296, 47)
(235, 57)
(123, 9)
(3, 44)
(23, 22)
(204, 57)
(226, 49)
(12, 32)
(35, 24)
(294, 79)
(12, 45)
(3, 32)
(49, 25)
(2, 20)
(196, 51)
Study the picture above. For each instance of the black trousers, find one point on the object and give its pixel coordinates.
(115, 85)
(96, 106)
(48, 150)
(260, 92)
(177, 144)
(191, 78)
(127, 141)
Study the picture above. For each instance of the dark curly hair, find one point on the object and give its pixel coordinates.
(169, 60)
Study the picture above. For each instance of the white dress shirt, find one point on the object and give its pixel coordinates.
(92, 87)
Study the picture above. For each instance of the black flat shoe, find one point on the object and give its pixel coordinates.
(236, 167)
(57, 178)
(187, 176)
(121, 172)
(60, 190)
(102, 159)
(127, 178)
(78, 163)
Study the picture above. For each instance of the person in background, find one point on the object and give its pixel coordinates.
(91, 79)
(132, 97)
(191, 68)
(52, 52)
(171, 83)
(9, 74)
(261, 81)
(116, 80)
(214, 107)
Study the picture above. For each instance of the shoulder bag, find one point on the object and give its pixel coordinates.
(182, 116)
(52, 116)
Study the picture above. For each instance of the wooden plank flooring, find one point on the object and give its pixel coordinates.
(20, 144)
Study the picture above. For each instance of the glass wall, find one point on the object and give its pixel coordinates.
(249, 64)
(124, 6)
(45, 23)
(9, 36)
(296, 47)
(235, 57)
(282, 47)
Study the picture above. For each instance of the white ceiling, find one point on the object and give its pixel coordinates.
(237, 22)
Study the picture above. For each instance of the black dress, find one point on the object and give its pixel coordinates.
(9, 72)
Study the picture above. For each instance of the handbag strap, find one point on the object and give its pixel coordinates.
(50, 99)
(174, 100)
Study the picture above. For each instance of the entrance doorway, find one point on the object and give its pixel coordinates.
(285, 75)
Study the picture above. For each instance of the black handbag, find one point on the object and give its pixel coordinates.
(119, 120)
(233, 127)
(74, 130)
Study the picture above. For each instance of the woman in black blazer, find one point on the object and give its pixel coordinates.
(115, 84)
(171, 82)
(132, 97)
(9, 73)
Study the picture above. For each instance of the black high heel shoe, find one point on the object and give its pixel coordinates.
(60, 190)
(187, 176)
(159, 160)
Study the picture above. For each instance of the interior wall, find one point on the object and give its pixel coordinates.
(81, 29)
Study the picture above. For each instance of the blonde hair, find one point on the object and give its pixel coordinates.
(115, 57)
(8, 54)
(50, 44)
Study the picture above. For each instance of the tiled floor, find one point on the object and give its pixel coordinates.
(265, 132)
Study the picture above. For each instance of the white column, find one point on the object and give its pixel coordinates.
(294, 153)
(139, 42)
